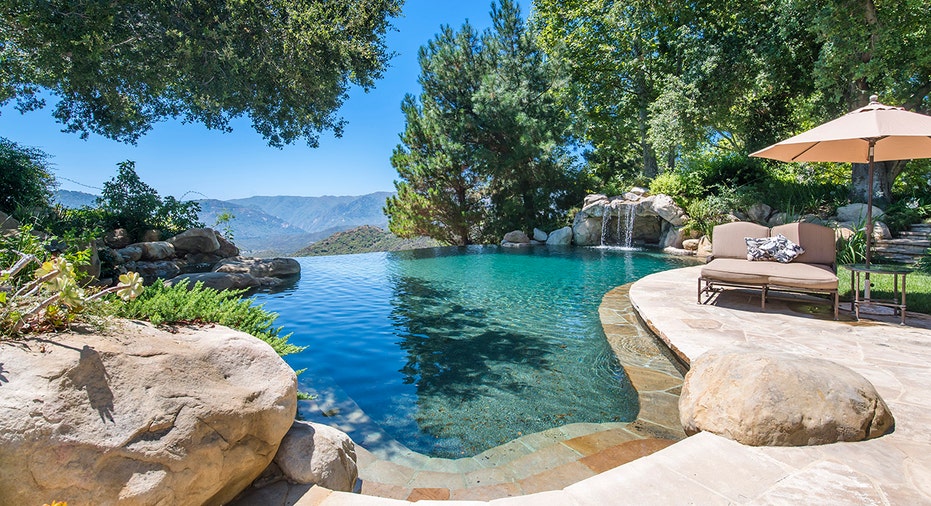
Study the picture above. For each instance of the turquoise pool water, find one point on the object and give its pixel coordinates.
(452, 351)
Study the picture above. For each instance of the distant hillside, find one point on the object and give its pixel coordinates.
(315, 214)
(74, 200)
(364, 239)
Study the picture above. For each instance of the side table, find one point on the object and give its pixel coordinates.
(897, 303)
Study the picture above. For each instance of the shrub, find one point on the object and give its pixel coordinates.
(672, 184)
(26, 180)
(161, 304)
(127, 202)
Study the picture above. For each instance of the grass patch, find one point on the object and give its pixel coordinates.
(918, 284)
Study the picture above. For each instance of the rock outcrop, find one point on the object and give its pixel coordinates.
(316, 454)
(764, 398)
(657, 220)
(140, 416)
(196, 240)
(260, 267)
(560, 237)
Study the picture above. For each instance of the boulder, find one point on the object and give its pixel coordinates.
(311, 453)
(593, 198)
(150, 271)
(140, 416)
(516, 236)
(560, 237)
(131, 253)
(227, 248)
(666, 208)
(8, 222)
(117, 238)
(151, 236)
(759, 212)
(586, 231)
(777, 219)
(764, 398)
(539, 235)
(198, 262)
(673, 238)
(690, 244)
(218, 280)
(856, 213)
(159, 250)
(260, 267)
(196, 240)
(704, 247)
(880, 229)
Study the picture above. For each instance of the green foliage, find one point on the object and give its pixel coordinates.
(52, 298)
(26, 180)
(852, 250)
(486, 145)
(180, 303)
(120, 67)
(905, 212)
(225, 224)
(127, 202)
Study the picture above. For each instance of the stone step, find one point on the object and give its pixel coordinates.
(924, 228)
(897, 257)
(907, 241)
(912, 233)
(901, 248)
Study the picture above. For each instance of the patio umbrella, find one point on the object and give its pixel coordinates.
(873, 133)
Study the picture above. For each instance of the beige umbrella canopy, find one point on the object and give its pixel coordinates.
(875, 132)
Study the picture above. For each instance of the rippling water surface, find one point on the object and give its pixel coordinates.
(452, 351)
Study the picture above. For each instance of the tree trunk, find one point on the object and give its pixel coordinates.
(884, 173)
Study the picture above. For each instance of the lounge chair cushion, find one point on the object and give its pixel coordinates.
(728, 240)
(795, 275)
(818, 241)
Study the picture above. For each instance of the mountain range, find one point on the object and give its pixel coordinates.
(276, 225)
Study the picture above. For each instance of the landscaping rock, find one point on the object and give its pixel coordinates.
(690, 244)
(539, 235)
(140, 416)
(227, 249)
(131, 253)
(196, 240)
(311, 453)
(765, 398)
(586, 231)
(777, 219)
(8, 222)
(560, 237)
(117, 238)
(159, 250)
(593, 198)
(704, 247)
(198, 262)
(666, 208)
(150, 271)
(516, 236)
(151, 236)
(759, 212)
(218, 280)
(856, 213)
(260, 267)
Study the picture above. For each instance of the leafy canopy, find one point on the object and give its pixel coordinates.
(119, 67)
(486, 146)
(26, 180)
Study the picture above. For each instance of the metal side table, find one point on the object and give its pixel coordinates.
(897, 303)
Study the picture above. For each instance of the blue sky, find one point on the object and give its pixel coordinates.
(192, 162)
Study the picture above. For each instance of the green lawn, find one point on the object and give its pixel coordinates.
(918, 297)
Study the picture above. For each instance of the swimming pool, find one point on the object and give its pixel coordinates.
(451, 351)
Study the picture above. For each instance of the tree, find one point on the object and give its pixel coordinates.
(119, 67)
(869, 47)
(127, 202)
(26, 180)
(485, 148)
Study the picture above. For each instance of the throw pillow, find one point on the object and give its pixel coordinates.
(781, 249)
(754, 251)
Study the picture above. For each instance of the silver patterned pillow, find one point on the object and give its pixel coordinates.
(754, 251)
(781, 249)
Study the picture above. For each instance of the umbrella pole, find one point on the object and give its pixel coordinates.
(869, 220)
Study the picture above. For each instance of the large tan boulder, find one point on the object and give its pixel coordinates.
(140, 416)
(157, 250)
(317, 454)
(764, 398)
(196, 240)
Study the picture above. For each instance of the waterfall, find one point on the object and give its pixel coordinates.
(629, 215)
(604, 225)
